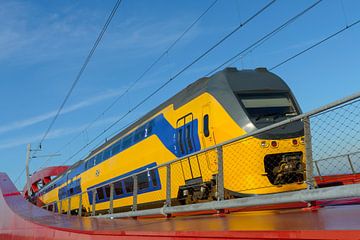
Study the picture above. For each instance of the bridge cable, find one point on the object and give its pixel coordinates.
(176, 75)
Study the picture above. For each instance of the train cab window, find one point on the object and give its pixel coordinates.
(268, 108)
(100, 193)
(206, 125)
(143, 181)
(118, 188)
(188, 138)
(180, 142)
(153, 178)
(129, 184)
(107, 191)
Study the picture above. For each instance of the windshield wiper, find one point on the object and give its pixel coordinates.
(274, 115)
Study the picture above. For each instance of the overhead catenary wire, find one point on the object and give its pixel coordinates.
(223, 39)
(316, 44)
(82, 69)
(141, 76)
(264, 38)
(78, 76)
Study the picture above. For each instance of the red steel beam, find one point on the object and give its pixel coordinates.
(22, 220)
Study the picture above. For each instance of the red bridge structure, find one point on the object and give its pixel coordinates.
(23, 220)
(43, 177)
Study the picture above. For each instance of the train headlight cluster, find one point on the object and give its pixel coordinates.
(274, 144)
(264, 144)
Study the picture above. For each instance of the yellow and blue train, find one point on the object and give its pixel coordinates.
(207, 112)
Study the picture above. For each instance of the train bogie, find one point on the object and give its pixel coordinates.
(212, 110)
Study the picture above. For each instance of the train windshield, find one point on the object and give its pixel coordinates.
(265, 109)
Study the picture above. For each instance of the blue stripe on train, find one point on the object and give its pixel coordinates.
(151, 185)
(161, 128)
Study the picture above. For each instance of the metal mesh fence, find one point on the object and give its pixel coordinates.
(286, 156)
(266, 163)
(335, 136)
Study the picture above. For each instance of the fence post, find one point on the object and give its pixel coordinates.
(80, 205)
(60, 207)
(351, 165)
(135, 190)
(220, 177)
(111, 207)
(308, 154)
(168, 185)
(318, 170)
(93, 202)
(69, 206)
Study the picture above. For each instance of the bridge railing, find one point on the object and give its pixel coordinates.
(252, 165)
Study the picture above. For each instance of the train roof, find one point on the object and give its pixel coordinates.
(219, 85)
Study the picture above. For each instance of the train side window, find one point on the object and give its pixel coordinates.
(188, 138)
(106, 154)
(116, 149)
(127, 142)
(100, 193)
(149, 129)
(139, 133)
(129, 184)
(153, 178)
(181, 145)
(143, 181)
(118, 188)
(98, 158)
(89, 163)
(107, 191)
(206, 125)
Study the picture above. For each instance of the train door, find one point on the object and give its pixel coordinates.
(185, 131)
(208, 137)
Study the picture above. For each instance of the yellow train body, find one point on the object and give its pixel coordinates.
(244, 164)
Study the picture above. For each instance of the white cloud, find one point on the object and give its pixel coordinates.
(45, 116)
(57, 133)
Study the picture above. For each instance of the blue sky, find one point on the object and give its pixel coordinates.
(44, 43)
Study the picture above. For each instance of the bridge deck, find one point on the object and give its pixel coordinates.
(21, 220)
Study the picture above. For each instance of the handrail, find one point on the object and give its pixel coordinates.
(218, 147)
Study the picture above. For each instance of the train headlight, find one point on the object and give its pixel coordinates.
(295, 142)
(274, 144)
(302, 140)
(264, 144)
